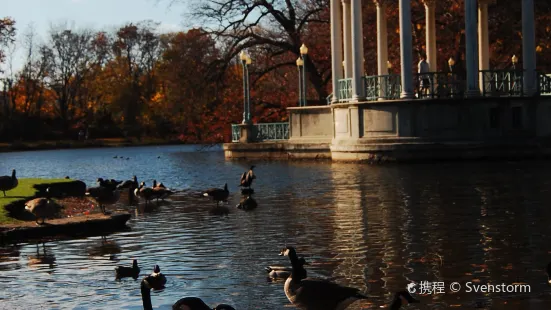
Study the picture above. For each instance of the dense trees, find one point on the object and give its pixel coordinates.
(136, 81)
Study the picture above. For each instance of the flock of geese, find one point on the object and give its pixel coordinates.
(301, 291)
(306, 293)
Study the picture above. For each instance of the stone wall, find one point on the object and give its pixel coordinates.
(311, 125)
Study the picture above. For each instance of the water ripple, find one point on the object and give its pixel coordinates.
(374, 228)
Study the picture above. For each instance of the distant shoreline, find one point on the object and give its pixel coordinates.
(91, 143)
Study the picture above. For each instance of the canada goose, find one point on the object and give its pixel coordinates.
(247, 203)
(187, 303)
(402, 298)
(129, 183)
(124, 272)
(110, 184)
(283, 272)
(42, 207)
(147, 193)
(313, 293)
(8, 183)
(155, 185)
(218, 194)
(247, 178)
(103, 196)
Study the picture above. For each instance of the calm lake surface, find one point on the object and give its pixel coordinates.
(372, 227)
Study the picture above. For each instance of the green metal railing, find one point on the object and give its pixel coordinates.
(499, 83)
(345, 89)
(438, 85)
(544, 84)
(264, 132)
(382, 86)
(496, 83)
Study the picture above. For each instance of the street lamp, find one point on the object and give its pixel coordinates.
(451, 62)
(389, 66)
(245, 61)
(514, 60)
(300, 63)
(303, 53)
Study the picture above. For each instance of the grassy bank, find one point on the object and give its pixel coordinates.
(74, 144)
(23, 191)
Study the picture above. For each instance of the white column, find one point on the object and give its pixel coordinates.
(336, 47)
(347, 25)
(357, 51)
(430, 33)
(529, 47)
(382, 38)
(406, 50)
(471, 53)
(483, 40)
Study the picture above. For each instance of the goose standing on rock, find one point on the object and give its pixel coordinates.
(42, 207)
(161, 192)
(146, 193)
(155, 282)
(103, 196)
(315, 294)
(218, 194)
(246, 181)
(8, 183)
(124, 272)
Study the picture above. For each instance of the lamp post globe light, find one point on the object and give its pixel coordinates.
(514, 60)
(451, 62)
(303, 53)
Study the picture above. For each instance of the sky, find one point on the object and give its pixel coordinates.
(95, 14)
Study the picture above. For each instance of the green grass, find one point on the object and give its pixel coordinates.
(23, 191)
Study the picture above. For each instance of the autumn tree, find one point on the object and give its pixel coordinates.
(136, 50)
(276, 26)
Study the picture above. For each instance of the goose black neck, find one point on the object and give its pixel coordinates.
(294, 258)
(146, 296)
(13, 174)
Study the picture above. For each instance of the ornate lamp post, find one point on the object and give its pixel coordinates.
(300, 64)
(514, 60)
(245, 61)
(304, 53)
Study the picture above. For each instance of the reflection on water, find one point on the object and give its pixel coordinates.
(372, 227)
(41, 259)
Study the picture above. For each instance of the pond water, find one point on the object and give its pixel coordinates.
(372, 227)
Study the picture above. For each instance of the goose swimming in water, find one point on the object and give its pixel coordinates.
(124, 272)
(8, 183)
(218, 194)
(155, 282)
(314, 294)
